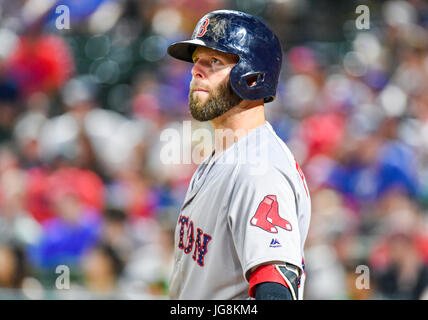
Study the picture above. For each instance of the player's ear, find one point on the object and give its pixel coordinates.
(251, 80)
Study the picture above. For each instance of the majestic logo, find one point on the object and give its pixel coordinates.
(200, 243)
(267, 216)
(275, 243)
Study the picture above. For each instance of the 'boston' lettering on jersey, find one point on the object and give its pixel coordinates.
(201, 243)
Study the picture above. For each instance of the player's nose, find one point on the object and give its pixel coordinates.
(199, 69)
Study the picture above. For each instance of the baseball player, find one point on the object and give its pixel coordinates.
(242, 227)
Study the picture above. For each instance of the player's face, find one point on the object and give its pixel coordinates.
(210, 93)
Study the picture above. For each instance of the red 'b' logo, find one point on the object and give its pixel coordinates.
(203, 27)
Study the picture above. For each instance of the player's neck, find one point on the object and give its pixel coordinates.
(237, 123)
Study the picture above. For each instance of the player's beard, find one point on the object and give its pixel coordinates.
(221, 100)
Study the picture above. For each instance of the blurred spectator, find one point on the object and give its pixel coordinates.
(40, 63)
(149, 267)
(8, 108)
(406, 276)
(102, 268)
(66, 237)
(16, 223)
(13, 270)
(44, 185)
(117, 233)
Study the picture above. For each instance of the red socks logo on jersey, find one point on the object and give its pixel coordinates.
(267, 216)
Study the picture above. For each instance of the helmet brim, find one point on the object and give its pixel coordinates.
(183, 50)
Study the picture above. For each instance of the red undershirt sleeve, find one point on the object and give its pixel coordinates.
(266, 273)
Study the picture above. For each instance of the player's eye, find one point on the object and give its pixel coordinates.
(215, 61)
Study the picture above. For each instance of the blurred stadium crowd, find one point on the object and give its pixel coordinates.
(82, 110)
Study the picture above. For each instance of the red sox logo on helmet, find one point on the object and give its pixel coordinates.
(203, 28)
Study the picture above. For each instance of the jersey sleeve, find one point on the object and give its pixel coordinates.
(263, 220)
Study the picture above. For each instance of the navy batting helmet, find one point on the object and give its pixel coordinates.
(239, 33)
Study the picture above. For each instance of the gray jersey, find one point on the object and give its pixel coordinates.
(247, 206)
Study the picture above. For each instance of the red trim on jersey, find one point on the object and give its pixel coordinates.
(267, 273)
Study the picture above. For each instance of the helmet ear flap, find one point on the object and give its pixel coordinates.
(249, 85)
(253, 79)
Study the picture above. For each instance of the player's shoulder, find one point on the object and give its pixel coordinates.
(264, 153)
(258, 172)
